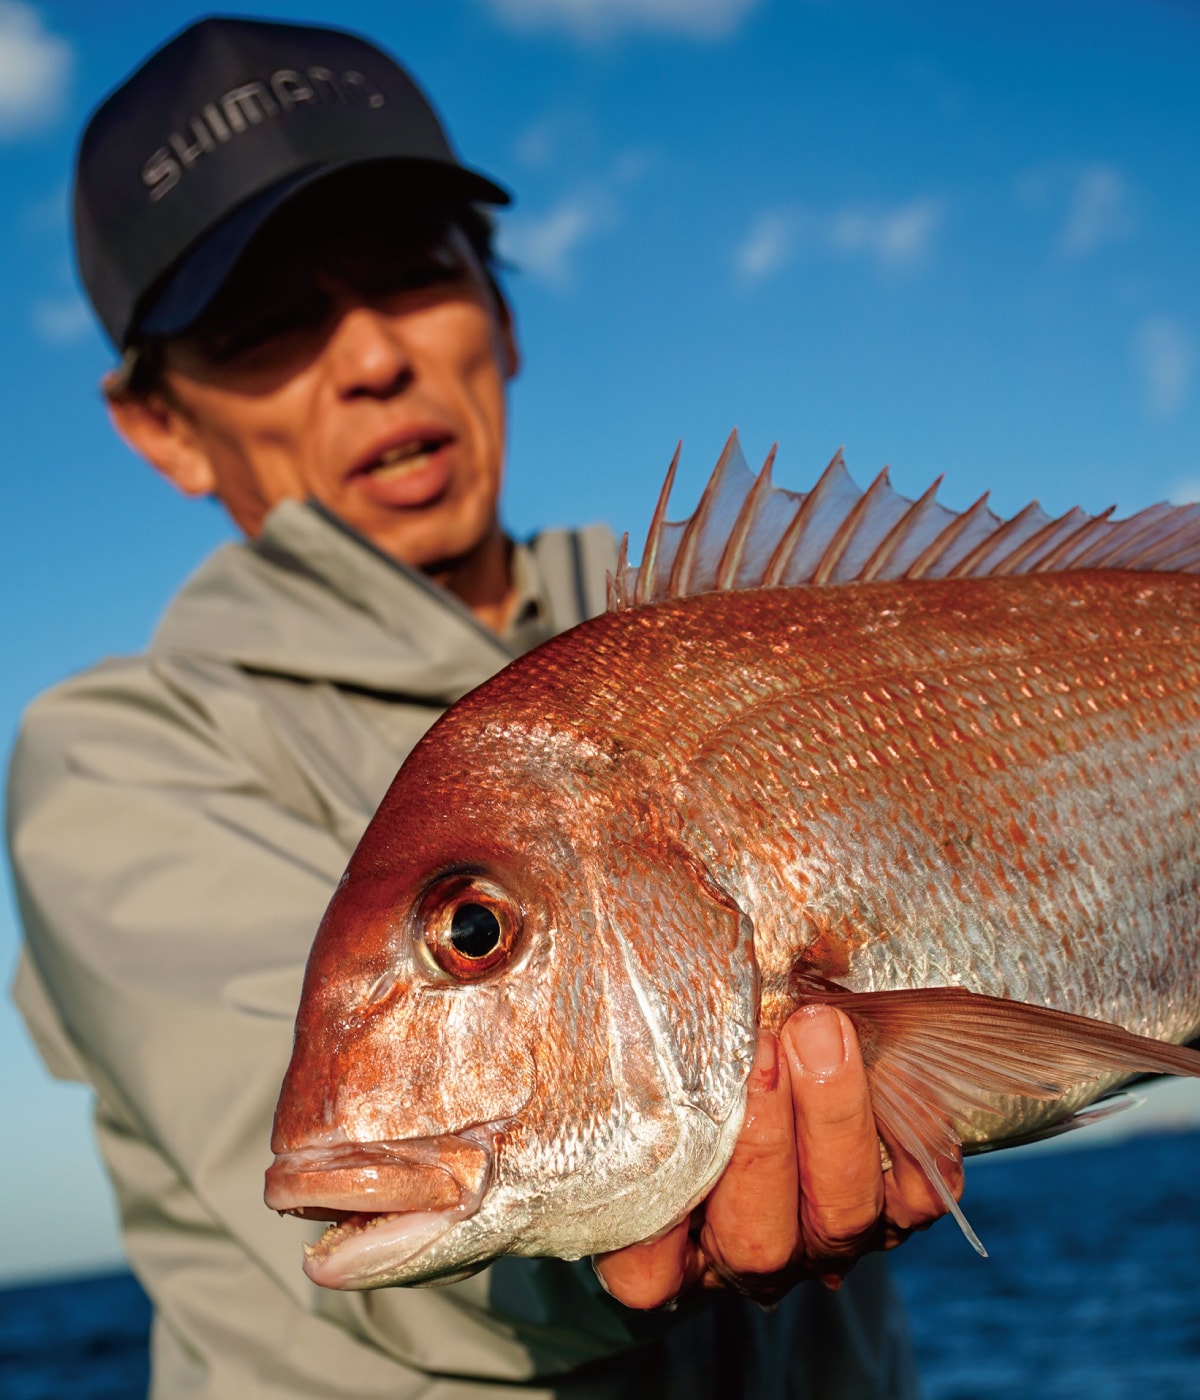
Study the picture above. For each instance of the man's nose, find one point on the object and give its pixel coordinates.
(368, 353)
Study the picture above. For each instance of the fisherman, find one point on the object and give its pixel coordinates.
(297, 272)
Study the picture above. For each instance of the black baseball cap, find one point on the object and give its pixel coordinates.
(183, 163)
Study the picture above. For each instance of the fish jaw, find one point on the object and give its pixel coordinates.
(387, 1201)
(664, 1165)
(367, 1251)
(588, 1212)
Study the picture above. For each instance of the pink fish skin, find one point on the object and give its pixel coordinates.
(963, 808)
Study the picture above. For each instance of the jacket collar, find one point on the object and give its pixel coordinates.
(310, 598)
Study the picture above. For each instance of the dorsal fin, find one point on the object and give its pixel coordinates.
(746, 533)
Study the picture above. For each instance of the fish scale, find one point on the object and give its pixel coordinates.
(836, 743)
(936, 778)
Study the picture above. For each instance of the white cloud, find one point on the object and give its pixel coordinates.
(538, 146)
(544, 245)
(770, 245)
(35, 67)
(633, 165)
(601, 19)
(892, 237)
(1165, 356)
(61, 320)
(1100, 211)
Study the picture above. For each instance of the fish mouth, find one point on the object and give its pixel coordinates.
(386, 1201)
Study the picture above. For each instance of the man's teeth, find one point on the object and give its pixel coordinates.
(406, 458)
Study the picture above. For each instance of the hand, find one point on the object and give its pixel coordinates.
(805, 1193)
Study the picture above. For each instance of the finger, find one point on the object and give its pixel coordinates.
(911, 1202)
(650, 1274)
(751, 1218)
(841, 1180)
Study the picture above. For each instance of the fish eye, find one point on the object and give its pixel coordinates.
(469, 925)
(475, 930)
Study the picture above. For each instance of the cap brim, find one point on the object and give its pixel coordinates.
(191, 285)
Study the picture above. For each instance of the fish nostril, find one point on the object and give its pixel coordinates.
(382, 988)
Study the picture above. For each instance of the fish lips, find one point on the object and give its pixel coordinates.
(387, 1201)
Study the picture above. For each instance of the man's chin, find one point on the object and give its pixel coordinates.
(469, 557)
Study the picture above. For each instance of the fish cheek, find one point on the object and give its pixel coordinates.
(443, 1058)
(591, 1055)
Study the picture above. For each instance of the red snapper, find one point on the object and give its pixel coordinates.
(938, 769)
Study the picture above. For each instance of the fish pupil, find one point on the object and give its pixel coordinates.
(474, 930)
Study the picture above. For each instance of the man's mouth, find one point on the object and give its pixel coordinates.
(405, 458)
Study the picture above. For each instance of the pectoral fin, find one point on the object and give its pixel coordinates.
(938, 1056)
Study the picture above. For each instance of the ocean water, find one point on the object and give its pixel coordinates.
(1091, 1290)
(1092, 1284)
(79, 1339)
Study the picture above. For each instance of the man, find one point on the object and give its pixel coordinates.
(280, 241)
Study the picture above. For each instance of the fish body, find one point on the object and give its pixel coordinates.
(945, 804)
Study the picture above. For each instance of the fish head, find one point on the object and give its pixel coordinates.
(527, 1019)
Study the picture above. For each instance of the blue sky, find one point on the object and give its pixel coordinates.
(951, 237)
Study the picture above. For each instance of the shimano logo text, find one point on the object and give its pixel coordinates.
(250, 105)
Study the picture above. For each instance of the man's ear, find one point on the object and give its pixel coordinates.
(159, 431)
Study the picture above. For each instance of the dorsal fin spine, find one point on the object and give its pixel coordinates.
(614, 583)
(971, 561)
(1158, 551)
(649, 565)
(1041, 539)
(887, 546)
(1069, 549)
(1094, 556)
(1183, 561)
(934, 551)
(842, 536)
(747, 533)
(735, 550)
(786, 548)
(683, 569)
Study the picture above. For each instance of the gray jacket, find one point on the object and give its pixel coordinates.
(178, 821)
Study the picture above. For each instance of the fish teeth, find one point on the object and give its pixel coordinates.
(335, 1234)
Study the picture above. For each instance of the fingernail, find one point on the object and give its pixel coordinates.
(600, 1279)
(765, 1075)
(817, 1040)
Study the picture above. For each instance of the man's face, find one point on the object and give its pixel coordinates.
(358, 356)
